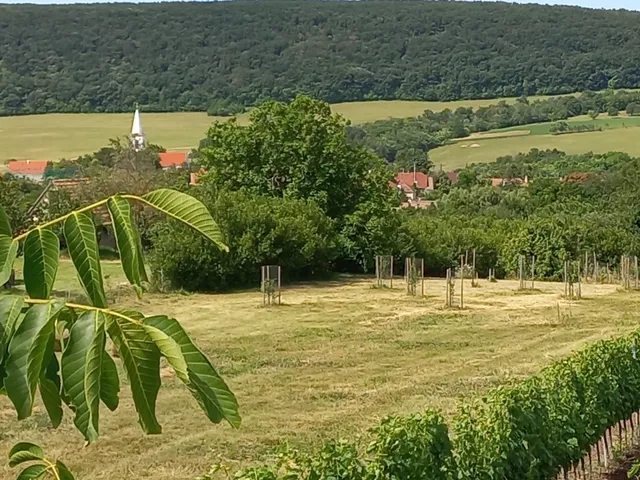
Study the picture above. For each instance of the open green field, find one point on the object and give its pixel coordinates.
(330, 362)
(619, 134)
(604, 122)
(55, 136)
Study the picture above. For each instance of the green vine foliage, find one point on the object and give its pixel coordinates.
(530, 430)
(56, 349)
(550, 421)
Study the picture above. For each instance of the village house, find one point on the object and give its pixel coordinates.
(31, 169)
(412, 183)
(173, 159)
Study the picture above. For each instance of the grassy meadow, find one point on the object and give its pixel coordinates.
(618, 134)
(55, 136)
(331, 361)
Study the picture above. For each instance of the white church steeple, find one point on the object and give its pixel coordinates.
(138, 139)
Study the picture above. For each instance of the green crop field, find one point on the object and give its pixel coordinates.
(55, 136)
(331, 361)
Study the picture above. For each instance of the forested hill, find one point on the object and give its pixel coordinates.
(184, 56)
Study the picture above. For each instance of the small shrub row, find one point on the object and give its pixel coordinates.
(531, 430)
(404, 448)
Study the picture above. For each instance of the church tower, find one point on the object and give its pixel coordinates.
(138, 139)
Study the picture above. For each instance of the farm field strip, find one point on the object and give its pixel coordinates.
(483, 150)
(56, 136)
(330, 362)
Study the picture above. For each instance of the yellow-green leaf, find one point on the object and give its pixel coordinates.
(188, 210)
(8, 253)
(128, 241)
(80, 234)
(41, 254)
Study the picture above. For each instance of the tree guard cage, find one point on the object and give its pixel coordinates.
(592, 271)
(384, 271)
(270, 285)
(629, 274)
(572, 281)
(414, 275)
(450, 293)
(527, 272)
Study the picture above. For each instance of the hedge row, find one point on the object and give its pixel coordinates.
(529, 431)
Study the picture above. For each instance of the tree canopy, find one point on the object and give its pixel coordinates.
(190, 56)
(297, 150)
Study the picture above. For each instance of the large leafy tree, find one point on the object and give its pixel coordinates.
(296, 150)
(57, 348)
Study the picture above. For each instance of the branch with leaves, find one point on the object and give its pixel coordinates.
(80, 373)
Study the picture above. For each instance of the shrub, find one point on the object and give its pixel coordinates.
(294, 234)
(411, 448)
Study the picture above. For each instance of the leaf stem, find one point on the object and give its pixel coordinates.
(62, 218)
(52, 467)
(79, 306)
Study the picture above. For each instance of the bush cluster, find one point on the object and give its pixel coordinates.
(260, 231)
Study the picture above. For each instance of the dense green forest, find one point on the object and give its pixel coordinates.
(221, 56)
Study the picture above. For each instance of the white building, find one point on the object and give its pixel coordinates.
(138, 138)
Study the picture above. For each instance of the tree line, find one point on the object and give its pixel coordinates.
(223, 56)
(407, 141)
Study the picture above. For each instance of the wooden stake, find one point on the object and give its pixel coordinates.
(391, 282)
(473, 281)
(533, 272)
(461, 283)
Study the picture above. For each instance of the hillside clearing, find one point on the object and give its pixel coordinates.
(459, 154)
(330, 362)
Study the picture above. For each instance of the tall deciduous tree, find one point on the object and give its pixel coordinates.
(297, 150)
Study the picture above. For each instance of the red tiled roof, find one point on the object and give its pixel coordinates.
(28, 167)
(171, 159)
(408, 179)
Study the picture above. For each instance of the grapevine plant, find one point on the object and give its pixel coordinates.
(58, 348)
(530, 430)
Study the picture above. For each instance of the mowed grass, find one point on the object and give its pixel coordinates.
(484, 149)
(331, 361)
(604, 122)
(55, 136)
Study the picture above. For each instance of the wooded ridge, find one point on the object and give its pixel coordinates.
(222, 56)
